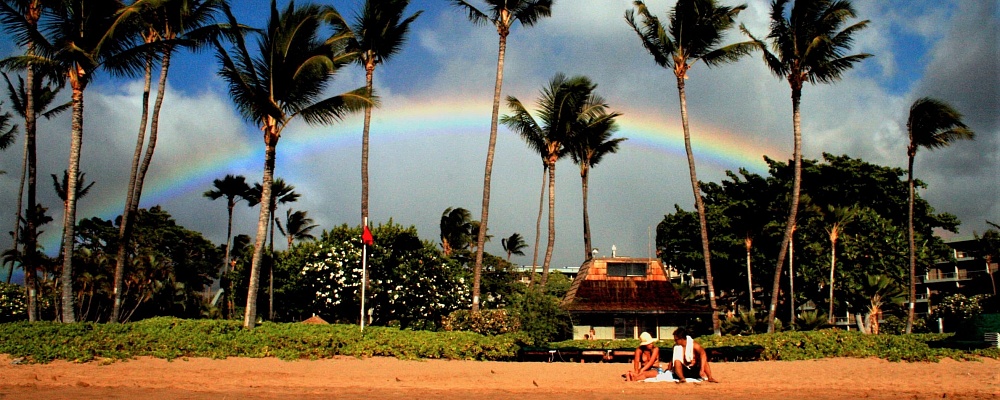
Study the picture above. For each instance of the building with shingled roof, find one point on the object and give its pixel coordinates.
(621, 297)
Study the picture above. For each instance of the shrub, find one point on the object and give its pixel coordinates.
(542, 320)
(485, 322)
(13, 303)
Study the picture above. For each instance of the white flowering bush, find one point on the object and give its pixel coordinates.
(409, 282)
(13, 304)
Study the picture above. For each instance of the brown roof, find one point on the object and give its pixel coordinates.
(594, 290)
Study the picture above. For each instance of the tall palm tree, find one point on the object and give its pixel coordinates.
(234, 188)
(281, 193)
(695, 33)
(837, 220)
(932, 124)
(563, 104)
(285, 79)
(81, 38)
(298, 226)
(43, 95)
(502, 15)
(20, 17)
(807, 44)
(592, 141)
(161, 23)
(377, 34)
(538, 222)
(513, 245)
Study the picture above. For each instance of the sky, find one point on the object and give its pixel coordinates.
(429, 138)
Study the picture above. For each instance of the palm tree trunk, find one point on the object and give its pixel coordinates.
(699, 204)
(749, 244)
(484, 219)
(833, 265)
(124, 231)
(30, 229)
(538, 223)
(791, 274)
(17, 214)
(369, 77)
(270, 269)
(270, 145)
(229, 234)
(911, 312)
(584, 175)
(793, 207)
(552, 223)
(69, 210)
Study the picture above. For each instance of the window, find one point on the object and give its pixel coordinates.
(626, 269)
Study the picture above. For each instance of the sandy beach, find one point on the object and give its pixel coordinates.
(377, 378)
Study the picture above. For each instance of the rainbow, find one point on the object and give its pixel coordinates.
(653, 132)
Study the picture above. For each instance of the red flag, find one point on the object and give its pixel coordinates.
(366, 237)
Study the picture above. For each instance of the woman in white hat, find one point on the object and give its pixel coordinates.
(646, 363)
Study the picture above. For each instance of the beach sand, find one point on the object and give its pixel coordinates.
(381, 378)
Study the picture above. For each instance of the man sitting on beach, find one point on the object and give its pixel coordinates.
(690, 359)
(646, 363)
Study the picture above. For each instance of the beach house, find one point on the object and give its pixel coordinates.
(621, 297)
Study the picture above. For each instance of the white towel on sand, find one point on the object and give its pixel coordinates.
(667, 376)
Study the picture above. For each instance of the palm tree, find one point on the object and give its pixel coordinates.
(880, 290)
(234, 189)
(456, 230)
(695, 32)
(20, 17)
(43, 98)
(807, 45)
(587, 148)
(284, 80)
(281, 193)
(161, 22)
(513, 245)
(83, 37)
(932, 124)
(837, 219)
(297, 226)
(563, 105)
(377, 34)
(502, 15)
(538, 222)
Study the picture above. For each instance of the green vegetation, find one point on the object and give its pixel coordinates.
(825, 343)
(172, 338)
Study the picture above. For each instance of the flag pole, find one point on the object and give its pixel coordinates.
(364, 270)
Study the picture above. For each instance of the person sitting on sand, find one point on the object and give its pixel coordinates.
(690, 359)
(646, 363)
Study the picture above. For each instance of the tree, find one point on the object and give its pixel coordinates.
(82, 37)
(592, 141)
(695, 33)
(43, 96)
(297, 226)
(878, 291)
(281, 193)
(377, 34)
(932, 124)
(563, 104)
(20, 17)
(807, 45)
(234, 188)
(837, 219)
(502, 15)
(160, 23)
(456, 230)
(286, 79)
(513, 245)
